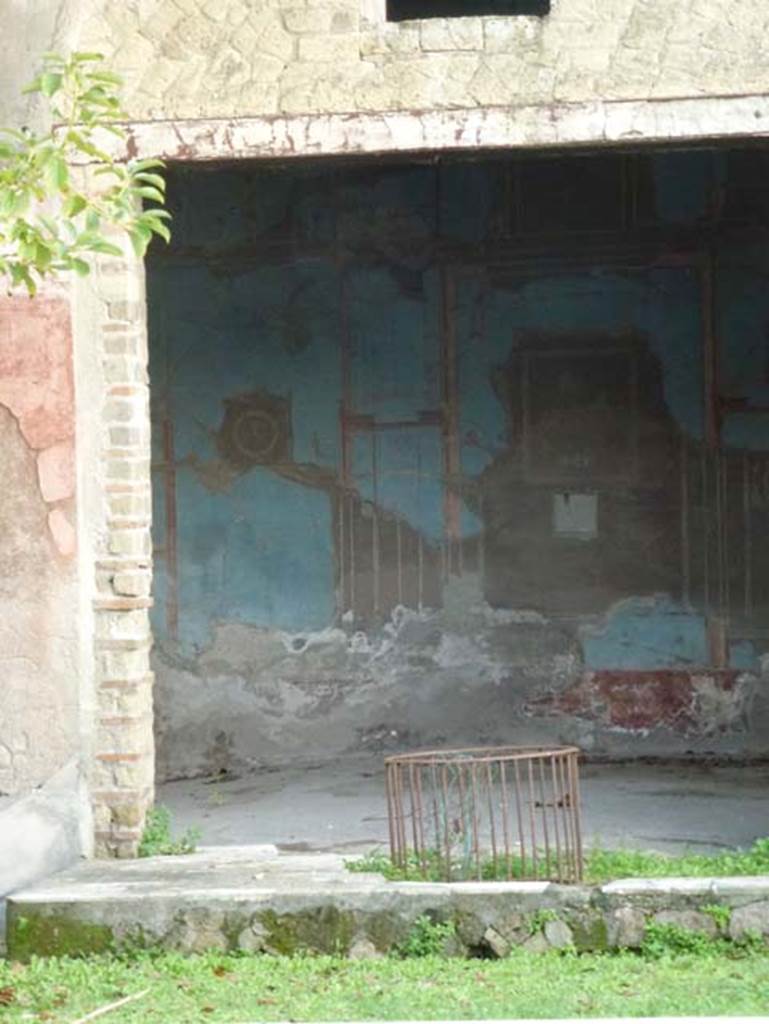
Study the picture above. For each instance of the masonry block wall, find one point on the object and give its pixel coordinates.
(268, 57)
(239, 58)
(122, 781)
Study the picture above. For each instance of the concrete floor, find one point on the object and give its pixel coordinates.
(341, 806)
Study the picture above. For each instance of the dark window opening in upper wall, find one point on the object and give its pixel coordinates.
(404, 10)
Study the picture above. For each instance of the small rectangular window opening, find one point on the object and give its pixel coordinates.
(575, 515)
(405, 10)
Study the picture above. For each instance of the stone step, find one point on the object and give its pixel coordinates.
(256, 898)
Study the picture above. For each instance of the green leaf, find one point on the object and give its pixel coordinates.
(15, 134)
(80, 267)
(151, 179)
(74, 205)
(84, 145)
(105, 78)
(114, 169)
(21, 275)
(50, 83)
(145, 165)
(14, 202)
(141, 237)
(86, 57)
(150, 192)
(95, 94)
(108, 248)
(43, 256)
(56, 173)
(159, 228)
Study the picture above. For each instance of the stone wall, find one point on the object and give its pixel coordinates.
(189, 58)
(74, 545)
(39, 648)
(294, 904)
(111, 346)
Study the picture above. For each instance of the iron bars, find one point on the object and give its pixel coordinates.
(485, 813)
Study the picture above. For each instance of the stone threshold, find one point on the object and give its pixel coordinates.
(257, 899)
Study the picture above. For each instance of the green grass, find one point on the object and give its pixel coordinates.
(600, 865)
(221, 988)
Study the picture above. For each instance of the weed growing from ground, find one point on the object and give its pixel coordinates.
(427, 938)
(719, 913)
(600, 865)
(157, 839)
(539, 919)
(670, 939)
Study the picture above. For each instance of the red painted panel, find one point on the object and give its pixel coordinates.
(36, 368)
(639, 700)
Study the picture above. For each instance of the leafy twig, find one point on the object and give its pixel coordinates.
(47, 224)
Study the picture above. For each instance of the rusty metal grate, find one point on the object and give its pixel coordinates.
(486, 813)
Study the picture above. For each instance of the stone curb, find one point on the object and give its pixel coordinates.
(258, 900)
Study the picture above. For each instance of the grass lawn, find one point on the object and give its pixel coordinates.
(215, 987)
(600, 865)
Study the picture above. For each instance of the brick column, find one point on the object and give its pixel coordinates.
(122, 778)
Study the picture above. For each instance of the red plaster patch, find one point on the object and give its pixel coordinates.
(63, 532)
(36, 368)
(56, 471)
(637, 700)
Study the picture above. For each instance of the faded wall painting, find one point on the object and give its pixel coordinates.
(461, 452)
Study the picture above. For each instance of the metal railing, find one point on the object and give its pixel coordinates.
(486, 813)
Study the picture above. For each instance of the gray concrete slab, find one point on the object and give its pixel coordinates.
(341, 806)
(42, 832)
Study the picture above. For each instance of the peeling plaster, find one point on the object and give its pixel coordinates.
(36, 387)
(709, 703)
(38, 627)
(333, 691)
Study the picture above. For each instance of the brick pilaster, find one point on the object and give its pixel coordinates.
(122, 781)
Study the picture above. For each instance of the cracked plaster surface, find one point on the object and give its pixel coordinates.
(38, 632)
(36, 388)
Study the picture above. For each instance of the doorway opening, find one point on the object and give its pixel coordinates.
(461, 451)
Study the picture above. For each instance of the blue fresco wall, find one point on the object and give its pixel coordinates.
(314, 299)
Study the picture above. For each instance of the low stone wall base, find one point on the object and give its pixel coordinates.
(256, 899)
